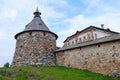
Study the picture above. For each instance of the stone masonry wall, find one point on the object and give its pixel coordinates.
(35, 48)
(100, 58)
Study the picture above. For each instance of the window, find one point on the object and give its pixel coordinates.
(44, 33)
(84, 38)
(76, 41)
(30, 33)
(80, 40)
(72, 42)
(30, 54)
(40, 23)
(95, 36)
(68, 43)
(88, 36)
(113, 47)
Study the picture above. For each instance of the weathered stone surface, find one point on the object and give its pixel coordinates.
(35, 48)
(100, 58)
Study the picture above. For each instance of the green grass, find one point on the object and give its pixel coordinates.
(49, 73)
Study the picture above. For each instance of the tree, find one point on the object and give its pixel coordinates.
(6, 65)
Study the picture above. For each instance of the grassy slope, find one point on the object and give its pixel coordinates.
(49, 73)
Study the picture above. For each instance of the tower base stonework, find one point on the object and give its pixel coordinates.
(47, 59)
(35, 49)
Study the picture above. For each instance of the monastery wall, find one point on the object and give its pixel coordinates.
(100, 58)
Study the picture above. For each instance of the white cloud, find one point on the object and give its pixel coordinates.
(91, 4)
(50, 13)
(8, 13)
(15, 14)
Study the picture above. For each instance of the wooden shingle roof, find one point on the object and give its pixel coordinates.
(36, 24)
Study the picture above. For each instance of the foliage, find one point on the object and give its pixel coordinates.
(6, 65)
(50, 73)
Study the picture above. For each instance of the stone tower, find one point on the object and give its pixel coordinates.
(35, 45)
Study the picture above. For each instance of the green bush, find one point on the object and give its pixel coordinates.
(6, 65)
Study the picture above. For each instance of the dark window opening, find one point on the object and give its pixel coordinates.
(84, 38)
(44, 33)
(113, 47)
(76, 41)
(30, 33)
(80, 48)
(40, 23)
(98, 45)
(80, 40)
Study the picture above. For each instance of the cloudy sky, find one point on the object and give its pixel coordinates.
(64, 17)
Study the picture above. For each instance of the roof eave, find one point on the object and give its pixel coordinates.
(56, 36)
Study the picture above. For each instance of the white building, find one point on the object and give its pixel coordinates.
(88, 34)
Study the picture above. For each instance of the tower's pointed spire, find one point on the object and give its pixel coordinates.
(37, 13)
